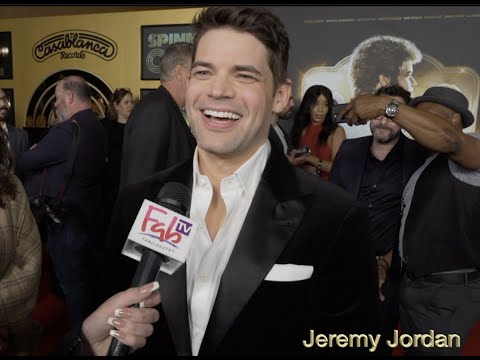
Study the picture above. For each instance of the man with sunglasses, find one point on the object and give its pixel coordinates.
(375, 169)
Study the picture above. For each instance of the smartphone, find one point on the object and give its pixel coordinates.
(302, 151)
(335, 111)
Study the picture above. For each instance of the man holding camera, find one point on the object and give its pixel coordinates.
(74, 224)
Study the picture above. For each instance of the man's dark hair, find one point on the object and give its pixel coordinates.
(302, 119)
(8, 189)
(78, 86)
(261, 23)
(380, 55)
(179, 53)
(394, 90)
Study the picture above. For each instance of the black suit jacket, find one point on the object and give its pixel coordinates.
(293, 219)
(156, 137)
(18, 139)
(83, 193)
(347, 168)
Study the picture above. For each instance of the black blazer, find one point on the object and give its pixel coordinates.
(156, 137)
(293, 219)
(347, 168)
(83, 194)
(18, 139)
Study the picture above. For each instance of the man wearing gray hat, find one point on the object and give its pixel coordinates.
(439, 234)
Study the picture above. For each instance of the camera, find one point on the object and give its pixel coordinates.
(44, 207)
(336, 110)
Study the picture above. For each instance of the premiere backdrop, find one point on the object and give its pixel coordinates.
(123, 50)
(323, 39)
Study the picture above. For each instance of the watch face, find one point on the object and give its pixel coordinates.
(392, 109)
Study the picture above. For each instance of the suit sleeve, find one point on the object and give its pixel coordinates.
(146, 142)
(53, 149)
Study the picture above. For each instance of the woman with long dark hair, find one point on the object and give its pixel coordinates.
(314, 127)
(20, 262)
(120, 107)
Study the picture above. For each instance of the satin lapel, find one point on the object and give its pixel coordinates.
(173, 290)
(261, 241)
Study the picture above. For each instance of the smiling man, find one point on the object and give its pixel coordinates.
(264, 268)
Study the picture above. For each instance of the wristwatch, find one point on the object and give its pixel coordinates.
(392, 108)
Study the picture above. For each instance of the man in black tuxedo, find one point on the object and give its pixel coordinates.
(280, 257)
(375, 169)
(157, 135)
(17, 138)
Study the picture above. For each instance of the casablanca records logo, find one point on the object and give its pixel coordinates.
(73, 44)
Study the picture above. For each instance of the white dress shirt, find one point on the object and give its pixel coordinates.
(281, 135)
(207, 259)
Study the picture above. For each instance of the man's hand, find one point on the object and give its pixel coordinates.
(364, 108)
(114, 317)
(296, 161)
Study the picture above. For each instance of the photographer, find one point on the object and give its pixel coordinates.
(74, 223)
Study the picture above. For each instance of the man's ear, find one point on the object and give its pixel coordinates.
(282, 96)
(180, 72)
(69, 96)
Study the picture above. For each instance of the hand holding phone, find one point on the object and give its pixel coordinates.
(302, 151)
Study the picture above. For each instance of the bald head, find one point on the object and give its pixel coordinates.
(72, 95)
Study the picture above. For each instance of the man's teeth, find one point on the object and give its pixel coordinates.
(222, 114)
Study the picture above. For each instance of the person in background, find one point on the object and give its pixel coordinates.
(314, 127)
(121, 105)
(71, 241)
(278, 136)
(375, 169)
(439, 232)
(20, 263)
(157, 135)
(17, 139)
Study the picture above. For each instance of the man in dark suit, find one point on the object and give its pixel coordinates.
(70, 243)
(277, 135)
(157, 135)
(17, 138)
(375, 169)
(280, 257)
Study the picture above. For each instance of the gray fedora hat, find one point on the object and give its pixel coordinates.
(448, 97)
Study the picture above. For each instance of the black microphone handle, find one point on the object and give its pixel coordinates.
(146, 272)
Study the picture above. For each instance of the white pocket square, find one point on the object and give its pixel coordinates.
(289, 272)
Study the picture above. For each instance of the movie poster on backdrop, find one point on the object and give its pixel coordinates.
(348, 48)
(154, 40)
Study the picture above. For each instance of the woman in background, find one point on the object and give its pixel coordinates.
(314, 127)
(121, 105)
(20, 263)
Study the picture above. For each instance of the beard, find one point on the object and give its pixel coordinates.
(3, 114)
(392, 135)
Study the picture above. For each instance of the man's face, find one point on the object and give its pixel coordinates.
(60, 103)
(4, 106)
(405, 77)
(230, 99)
(383, 129)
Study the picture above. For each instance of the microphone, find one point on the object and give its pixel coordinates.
(157, 248)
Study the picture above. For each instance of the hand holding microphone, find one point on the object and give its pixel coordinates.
(132, 325)
(160, 239)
